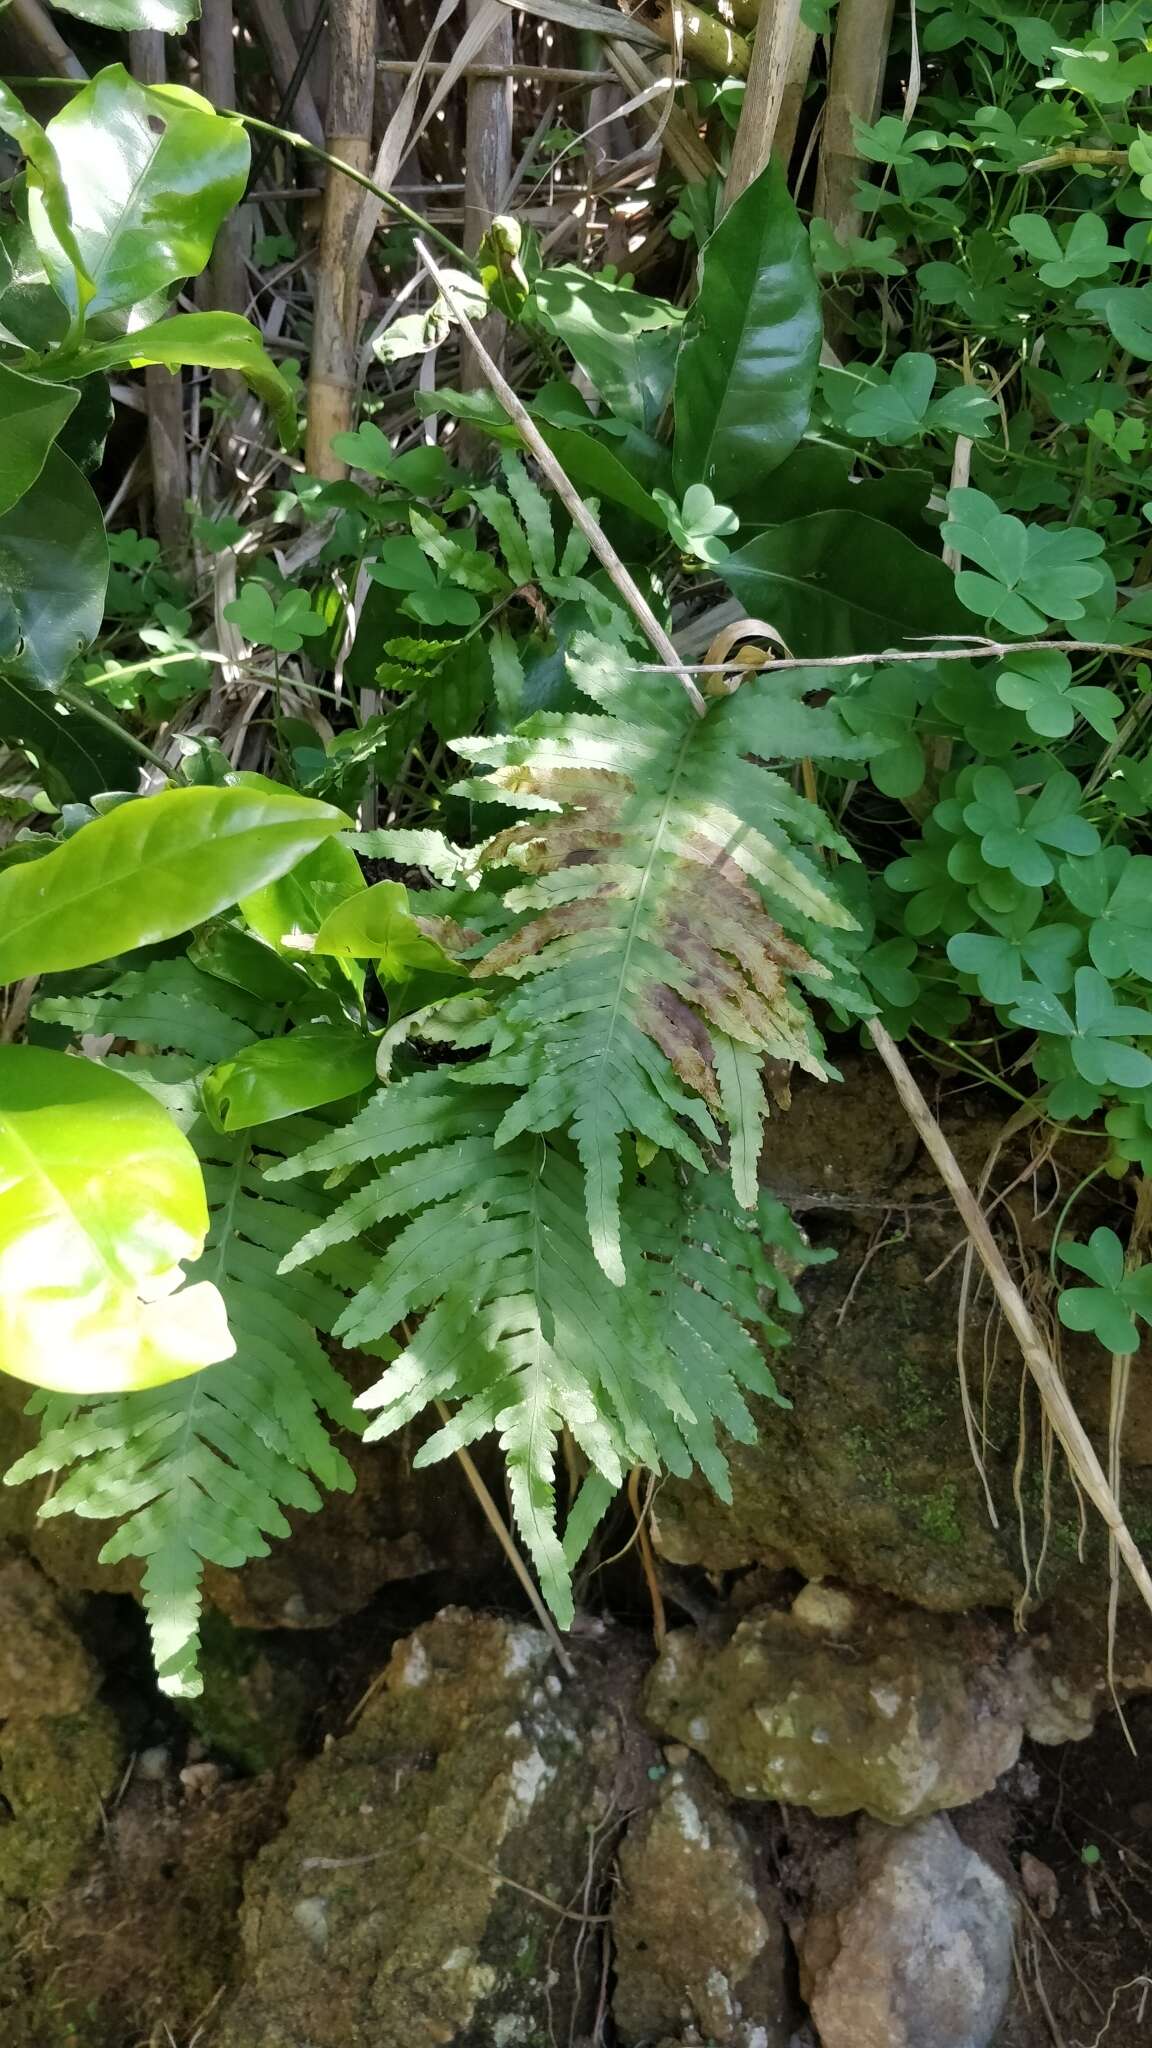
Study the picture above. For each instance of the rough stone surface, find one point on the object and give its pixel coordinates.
(913, 1947)
(44, 1667)
(419, 1890)
(396, 1524)
(700, 1947)
(844, 1706)
(868, 1478)
(60, 1748)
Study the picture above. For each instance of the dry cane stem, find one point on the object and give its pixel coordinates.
(1037, 1357)
(629, 590)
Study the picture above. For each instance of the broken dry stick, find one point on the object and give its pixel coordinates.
(593, 533)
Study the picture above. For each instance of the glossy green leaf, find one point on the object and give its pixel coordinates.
(101, 1199)
(150, 173)
(76, 756)
(46, 182)
(283, 1075)
(747, 365)
(379, 926)
(838, 583)
(293, 908)
(150, 870)
(216, 341)
(624, 342)
(32, 413)
(170, 17)
(53, 573)
(598, 472)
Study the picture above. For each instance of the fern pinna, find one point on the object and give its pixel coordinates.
(672, 918)
(533, 1205)
(506, 1311)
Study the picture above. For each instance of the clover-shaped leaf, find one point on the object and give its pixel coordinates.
(1127, 308)
(1097, 69)
(1110, 1306)
(1030, 573)
(997, 964)
(1115, 891)
(1016, 832)
(1039, 683)
(366, 449)
(431, 597)
(1084, 250)
(892, 409)
(697, 524)
(1096, 1031)
(882, 709)
(283, 625)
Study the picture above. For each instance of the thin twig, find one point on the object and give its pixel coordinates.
(974, 650)
(565, 491)
(500, 1529)
(647, 1560)
(1037, 1357)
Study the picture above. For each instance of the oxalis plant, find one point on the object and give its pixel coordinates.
(496, 1120)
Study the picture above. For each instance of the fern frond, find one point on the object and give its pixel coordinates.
(201, 1470)
(674, 909)
(507, 1313)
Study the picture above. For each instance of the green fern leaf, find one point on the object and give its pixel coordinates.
(675, 911)
(507, 1313)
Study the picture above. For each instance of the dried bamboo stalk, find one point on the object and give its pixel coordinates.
(780, 44)
(487, 172)
(859, 55)
(332, 377)
(218, 83)
(283, 57)
(40, 35)
(164, 389)
(678, 138)
(520, 74)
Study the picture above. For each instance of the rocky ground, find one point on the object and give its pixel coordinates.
(869, 1791)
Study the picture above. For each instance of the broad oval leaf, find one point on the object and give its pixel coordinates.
(379, 926)
(150, 870)
(53, 572)
(76, 756)
(838, 583)
(217, 341)
(32, 413)
(283, 1075)
(170, 17)
(150, 173)
(746, 370)
(46, 180)
(101, 1199)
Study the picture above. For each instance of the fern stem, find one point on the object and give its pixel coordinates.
(503, 1536)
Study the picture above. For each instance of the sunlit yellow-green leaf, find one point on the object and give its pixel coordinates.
(101, 1200)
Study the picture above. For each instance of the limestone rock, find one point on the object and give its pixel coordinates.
(895, 1713)
(868, 1477)
(396, 1524)
(60, 1749)
(44, 1667)
(915, 1949)
(402, 1903)
(699, 1941)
